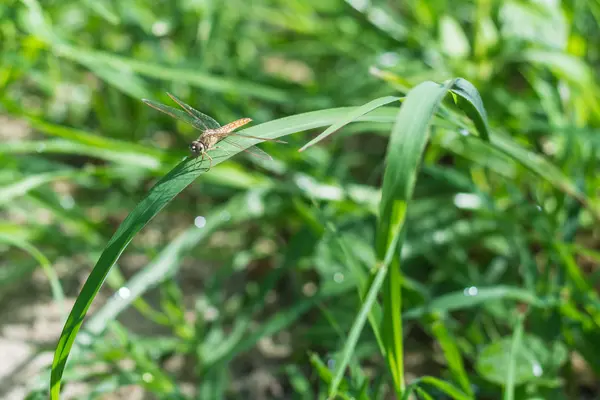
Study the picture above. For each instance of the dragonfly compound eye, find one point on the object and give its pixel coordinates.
(196, 147)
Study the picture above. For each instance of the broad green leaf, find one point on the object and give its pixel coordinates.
(533, 359)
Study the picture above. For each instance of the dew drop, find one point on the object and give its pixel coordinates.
(471, 291)
(147, 377)
(537, 370)
(439, 237)
(124, 292)
(467, 201)
(338, 277)
(200, 221)
(160, 28)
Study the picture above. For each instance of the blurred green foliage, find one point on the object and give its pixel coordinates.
(254, 280)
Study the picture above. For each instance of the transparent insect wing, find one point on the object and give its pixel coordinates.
(255, 151)
(201, 120)
(170, 111)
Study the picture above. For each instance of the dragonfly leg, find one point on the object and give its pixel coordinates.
(211, 160)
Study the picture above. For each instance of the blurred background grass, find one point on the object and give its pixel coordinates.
(240, 287)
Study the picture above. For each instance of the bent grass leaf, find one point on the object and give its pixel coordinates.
(451, 351)
(472, 105)
(55, 286)
(407, 144)
(23, 186)
(157, 198)
(352, 116)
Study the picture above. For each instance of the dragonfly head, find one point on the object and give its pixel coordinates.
(197, 147)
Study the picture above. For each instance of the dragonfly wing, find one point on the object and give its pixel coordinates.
(170, 111)
(255, 151)
(203, 121)
(255, 137)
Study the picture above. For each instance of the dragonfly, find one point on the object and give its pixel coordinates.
(212, 132)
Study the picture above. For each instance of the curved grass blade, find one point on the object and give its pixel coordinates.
(133, 85)
(545, 170)
(94, 140)
(21, 187)
(445, 387)
(407, 144)
(61, 146)
(472, 105)
(168, 260)
(451, 352)
(457, 300)
(57, 290)
(353, 115)
(509, 388)
(157, 198)
(356, 330)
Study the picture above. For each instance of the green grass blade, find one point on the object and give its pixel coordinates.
(83, 137)
(163, 192)
(470, 102)
(357, 112)
(452, 355)
(509, 389)
(445, 387)
(55, 286)
(62, 146)
(544, 169)
(131, 85)
(356, 330)
(168, 261)
(409, 136)
(21, 187)
(407, 143)
(458, 300)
